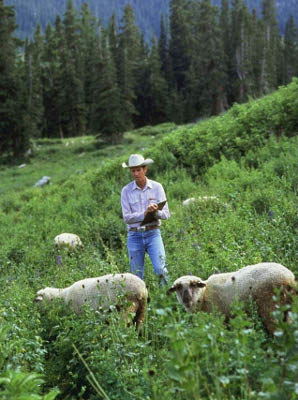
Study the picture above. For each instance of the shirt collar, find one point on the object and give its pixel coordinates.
(148, 185)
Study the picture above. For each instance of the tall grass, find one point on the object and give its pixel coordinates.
(247, 158)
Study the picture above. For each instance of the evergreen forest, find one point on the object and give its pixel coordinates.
(81, 78)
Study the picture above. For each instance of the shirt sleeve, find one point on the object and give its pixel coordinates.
(164, 213)
(128, 216)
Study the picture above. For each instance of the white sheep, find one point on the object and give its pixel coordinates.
(103, 292)
(219, 291)
(198, 199)
(70, 240)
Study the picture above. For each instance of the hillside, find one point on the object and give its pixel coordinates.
(148, 13)
(248, 159)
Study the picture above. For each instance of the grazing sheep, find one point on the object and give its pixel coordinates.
(103, 291)
(220, 290)
(68, 240)
(192, 200)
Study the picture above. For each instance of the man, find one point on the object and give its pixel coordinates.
(140, 199)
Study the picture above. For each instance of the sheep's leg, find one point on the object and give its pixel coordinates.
(266, 308)
(140, 315)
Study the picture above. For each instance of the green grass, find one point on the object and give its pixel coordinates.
(181, 356)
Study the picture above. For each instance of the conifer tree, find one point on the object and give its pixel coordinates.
(74, 102)
(272, 50)
(257, 42)
(175, 109)
(52, 78)
(225, 28)
(13, 133)
(157, 88)
(129, 51)
(33, 64)
(113, 37)
(107, 118)
(206, 76)
(291, 50)
(163, 49)
(142, 117)
(242, 50)
(180, 41)
(89, 54)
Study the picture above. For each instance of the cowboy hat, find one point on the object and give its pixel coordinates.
(137, 160)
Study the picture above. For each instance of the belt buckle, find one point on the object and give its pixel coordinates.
(141, 228)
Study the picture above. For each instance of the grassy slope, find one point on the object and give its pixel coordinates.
(235, 157)
(61, 158)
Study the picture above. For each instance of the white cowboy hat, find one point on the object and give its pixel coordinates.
(137, 160)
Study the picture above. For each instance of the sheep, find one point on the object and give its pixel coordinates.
(219, 291)
(192, 200)
(103, 292)
(69, 240)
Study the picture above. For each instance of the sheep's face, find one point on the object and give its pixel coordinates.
(47, 294)
(189, 291)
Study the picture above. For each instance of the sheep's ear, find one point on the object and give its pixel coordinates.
(171, 290)
(199, 284)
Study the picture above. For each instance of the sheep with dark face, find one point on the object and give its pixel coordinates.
(125, 291)
(257, 282)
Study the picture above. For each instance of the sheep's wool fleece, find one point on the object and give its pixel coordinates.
(103, 290)
(68, 239)
(257, 280)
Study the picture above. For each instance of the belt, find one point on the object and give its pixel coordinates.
(144, 228)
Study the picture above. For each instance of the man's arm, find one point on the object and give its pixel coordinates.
(164, 213)
(128, 216)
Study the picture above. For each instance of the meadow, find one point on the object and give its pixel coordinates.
(248, 159)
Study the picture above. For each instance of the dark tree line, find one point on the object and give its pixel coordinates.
(79, 77)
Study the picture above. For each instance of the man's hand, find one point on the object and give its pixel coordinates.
(151, 208)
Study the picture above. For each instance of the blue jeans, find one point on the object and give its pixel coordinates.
(151, 242)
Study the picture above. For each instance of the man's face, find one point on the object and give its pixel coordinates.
(139, 174)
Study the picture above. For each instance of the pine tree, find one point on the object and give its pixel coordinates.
(142, 116)
(108, 119)
(13, 133)
(163, 49)
(257, 43)
(291, 50)
(175, 109)
(52, 79)
(206, 76)
(225, 28)
(33, 63)
(180, 41)
(74, 102)
(89, 54)
(157, 88)
(128, 62)
(113, 37)
(272, 50)
(243, 48)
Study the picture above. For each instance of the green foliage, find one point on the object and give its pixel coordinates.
(23, 386)
(247, 161)
(242, 129)
(207, 361)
